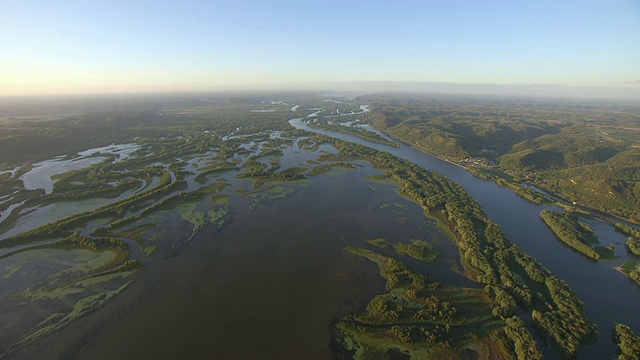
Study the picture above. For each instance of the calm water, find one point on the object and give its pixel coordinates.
(269, 284)
(609, 296)
(40, 176)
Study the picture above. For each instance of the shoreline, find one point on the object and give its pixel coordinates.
(605, 217)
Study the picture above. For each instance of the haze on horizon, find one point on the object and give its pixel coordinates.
(121, 46)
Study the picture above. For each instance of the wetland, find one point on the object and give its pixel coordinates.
(238, 232)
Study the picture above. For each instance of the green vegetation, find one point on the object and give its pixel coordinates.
(21, 202)
(524, 345)
(417, 249)
(87, 273)
(348, 124)
(633, 243)
(217, 216)
(628, 343)
(632, 269)
(323, 168)
(135, 233)
(60, 320)
(626, 229)
(505, 181)
(457, 130)
(118, 249)
(174, 158)
(379, 242)
(256, 170)
(587, 155)
(420, 317)
(268, 195)
(185, 172)
(65, 226)
(510, 276)
(572, 232)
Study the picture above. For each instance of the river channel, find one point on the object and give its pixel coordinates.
(609, 296)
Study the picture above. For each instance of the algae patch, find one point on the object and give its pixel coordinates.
(270, 195)
(64, 280)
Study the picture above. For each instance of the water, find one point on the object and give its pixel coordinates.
(609, 296)
(273, 280)
(5, 213)
(40, 176)
(268, 285)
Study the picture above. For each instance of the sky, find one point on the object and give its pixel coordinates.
(96, 46)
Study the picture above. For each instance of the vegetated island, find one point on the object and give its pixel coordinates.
(405, 320)
(628, 342)
(630, 267)
(574, 233)
(417, 249)
(633, 242)
(348, 125)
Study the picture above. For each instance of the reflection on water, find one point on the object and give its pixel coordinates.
(608, 295)
(40, 176)
(274, 278)
(270, 283)
(54, 212)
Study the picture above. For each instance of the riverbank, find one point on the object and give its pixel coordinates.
(520, 220)
(520, 189)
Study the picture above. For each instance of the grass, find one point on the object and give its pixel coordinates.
(401, 205)
(324, 168)
(271, 194)
(605, 252)
(628, 265)
(379, 242)
(382, 179)
(294, 170)
(216, 216)
(420, 319)
(81, 279)
(417, 249)
(134, 233)
(60, 320)
(220, 199)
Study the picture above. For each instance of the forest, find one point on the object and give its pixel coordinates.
(586, 154)
(510, 277)
(570, 230)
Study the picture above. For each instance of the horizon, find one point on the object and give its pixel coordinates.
(363, 88)
(118, 47)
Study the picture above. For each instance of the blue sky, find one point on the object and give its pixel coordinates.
(111, 46)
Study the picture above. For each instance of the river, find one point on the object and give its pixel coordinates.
(608, 295)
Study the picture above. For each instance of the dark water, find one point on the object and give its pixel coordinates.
(268, 285)
(609, 296)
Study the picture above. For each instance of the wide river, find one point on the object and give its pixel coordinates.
(609, 295)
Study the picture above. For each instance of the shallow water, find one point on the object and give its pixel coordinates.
(268, 285)
(40, 176)
(271, 282)
(609, 296)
